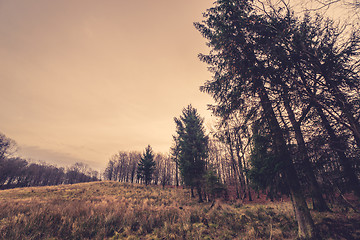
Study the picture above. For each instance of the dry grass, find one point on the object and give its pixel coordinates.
(110, 210)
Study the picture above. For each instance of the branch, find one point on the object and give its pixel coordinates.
(304, 113)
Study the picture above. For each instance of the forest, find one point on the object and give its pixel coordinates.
(286, 90)
(287, 105)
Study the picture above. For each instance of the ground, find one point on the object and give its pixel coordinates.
(111, 210)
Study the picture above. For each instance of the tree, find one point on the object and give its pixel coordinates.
(7, 146)
(192, 146)
(213, 186)
(243, 43)
(320, 67)
(146, 166)
(174, 152)
(329, 6)
(231, 132)
(109, 171)
(266, 171)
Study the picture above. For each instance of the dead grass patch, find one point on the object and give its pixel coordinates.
(111, 210)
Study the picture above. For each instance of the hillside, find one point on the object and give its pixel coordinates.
(111, 210)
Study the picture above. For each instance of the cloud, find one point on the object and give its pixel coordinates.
(59, 159)
(99, 77)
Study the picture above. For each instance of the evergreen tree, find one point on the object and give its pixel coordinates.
(243, 43)
(266, 171)
(192, 148)
(146, 166)
(213, 185)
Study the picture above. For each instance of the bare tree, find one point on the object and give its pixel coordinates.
(8, 146)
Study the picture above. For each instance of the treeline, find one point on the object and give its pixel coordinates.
(123, 167)
(18, 172)
(194, 161)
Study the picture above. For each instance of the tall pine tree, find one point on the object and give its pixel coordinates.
(146, 166)
(192, 148)
(242, 42)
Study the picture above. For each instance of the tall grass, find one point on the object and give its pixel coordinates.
(110, 210)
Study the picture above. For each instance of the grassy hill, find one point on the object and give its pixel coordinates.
(111, 210)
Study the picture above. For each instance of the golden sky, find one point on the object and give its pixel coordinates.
(81, 80)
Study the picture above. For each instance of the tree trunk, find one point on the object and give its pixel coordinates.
(233, 165)
(177, 174)
(319, 203)
(243, 183)
(306, 227)
(249, 189)
(243, 167)
(199, 193)
(192, 192)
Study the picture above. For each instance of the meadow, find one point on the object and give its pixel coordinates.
(112, 210)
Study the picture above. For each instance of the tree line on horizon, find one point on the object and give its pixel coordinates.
(18, 172)
(131, 166)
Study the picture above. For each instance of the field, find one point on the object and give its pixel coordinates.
(111, 210)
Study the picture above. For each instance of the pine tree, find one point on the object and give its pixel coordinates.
(213, 185)
(244, 44)
(267, 171)
(146, 166)
(192, 148)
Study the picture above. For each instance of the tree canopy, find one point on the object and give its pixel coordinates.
(290, 72)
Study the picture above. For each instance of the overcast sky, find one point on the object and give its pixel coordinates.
(81, 80)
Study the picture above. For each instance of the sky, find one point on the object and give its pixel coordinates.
(82, 80)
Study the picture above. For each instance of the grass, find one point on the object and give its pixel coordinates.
(111, 210)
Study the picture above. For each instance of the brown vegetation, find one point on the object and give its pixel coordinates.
(111, 210)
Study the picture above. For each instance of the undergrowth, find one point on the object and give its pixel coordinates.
(111, 210)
